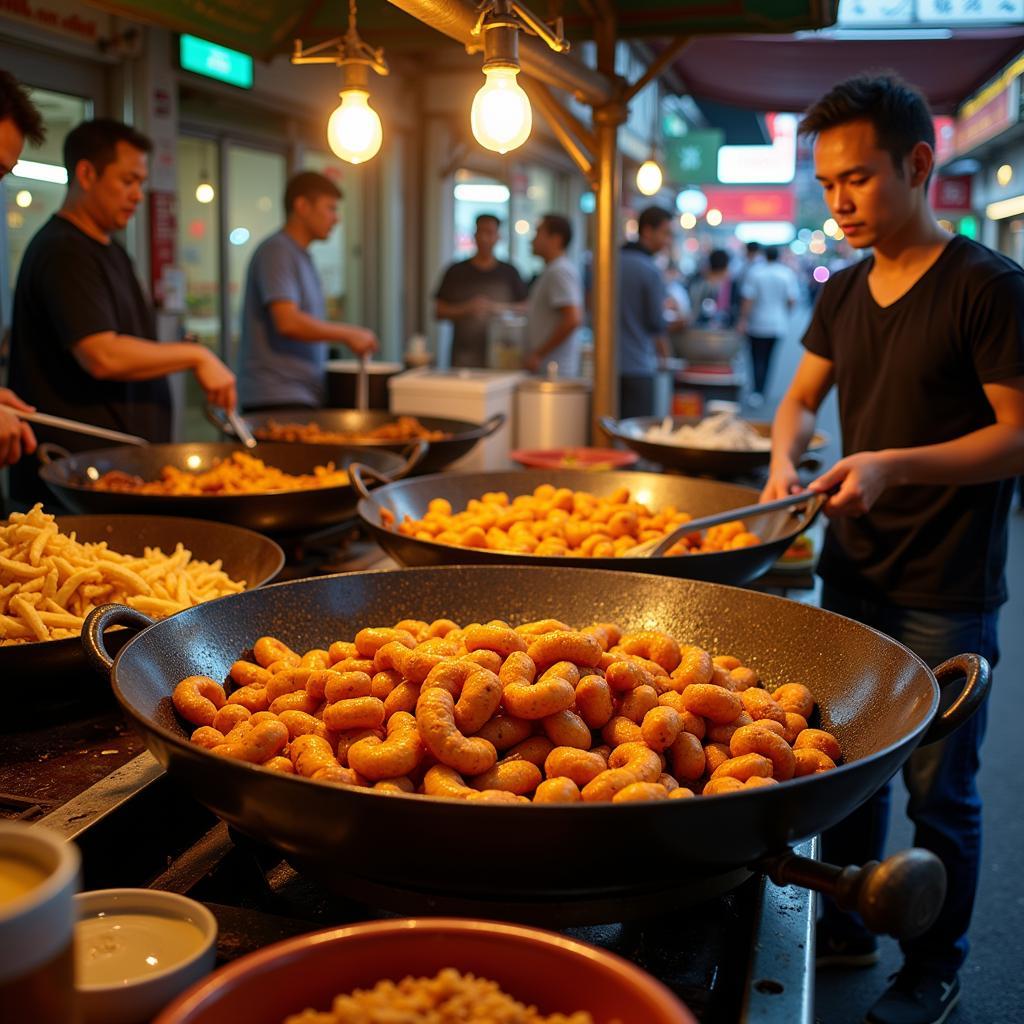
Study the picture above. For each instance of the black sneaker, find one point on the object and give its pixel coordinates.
(916, 998)
(844, 951)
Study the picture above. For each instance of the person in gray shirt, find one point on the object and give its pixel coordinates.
(642, 313)
(555, 304)
(285, 333)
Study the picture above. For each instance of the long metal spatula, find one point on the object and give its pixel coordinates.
(44, 419)
(656, 548)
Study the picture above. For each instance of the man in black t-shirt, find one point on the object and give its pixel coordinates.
(473, 291)
(924, 342)
(81, 326)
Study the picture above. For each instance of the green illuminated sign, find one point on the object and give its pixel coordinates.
(969, 227)
(202, 57)
(693, 158)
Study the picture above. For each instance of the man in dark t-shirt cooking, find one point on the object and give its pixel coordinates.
(473, 291)
(924, 342)
(81, 327)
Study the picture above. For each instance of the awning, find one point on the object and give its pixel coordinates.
(264, 28)
(789, 74)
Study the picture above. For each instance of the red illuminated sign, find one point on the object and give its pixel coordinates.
(747, 204)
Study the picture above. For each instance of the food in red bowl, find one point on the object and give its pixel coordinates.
(573, 458)
(539, 968)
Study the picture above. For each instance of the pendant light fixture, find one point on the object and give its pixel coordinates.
(354, 130)
(501, 117)
(649, 177)
(205, 192)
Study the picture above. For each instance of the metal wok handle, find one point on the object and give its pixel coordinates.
(98, 621)
(490, 425)
(970, 698)
(48, 452)
(358, 470)
(413, 454)
(899, 896)
(218, 418)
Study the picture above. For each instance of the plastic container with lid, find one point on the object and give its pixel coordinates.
(472, 395)
(553, 412)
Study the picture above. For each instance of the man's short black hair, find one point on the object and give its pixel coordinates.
(556, 224)
(16, 106)
(490, 217)
(718, 259)
(898, 112)
(653, 217)
(771, 253)
(96, 141)
(308, 185)
(753, 248)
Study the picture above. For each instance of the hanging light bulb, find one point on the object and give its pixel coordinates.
(354, 130)
(205, 192)
(501, 117)
(649, 177)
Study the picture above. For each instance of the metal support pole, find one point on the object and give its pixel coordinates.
(604, 304)
(658, 65)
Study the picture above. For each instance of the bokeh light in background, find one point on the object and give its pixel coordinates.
(588, 202)
(830, 227)
(687, 221)
(692, 200)
(1004, 175)
(24, 198)
(713, 217)
(239, 236)
(522, 227)
(205, 192)
(821, 274)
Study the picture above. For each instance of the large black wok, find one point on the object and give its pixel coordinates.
(57, 671)
(462, 435)
(698, 497)
(701, 461)
(571, 861)
(71, 476)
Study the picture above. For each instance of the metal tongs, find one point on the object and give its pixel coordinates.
(44, 419)
(657, 547)
(241, 429)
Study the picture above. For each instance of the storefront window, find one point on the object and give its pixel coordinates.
(31, 196)
(256, 181)
(199, 198)
(474, 195)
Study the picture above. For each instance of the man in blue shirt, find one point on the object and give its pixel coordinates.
(285, 333)
(642, 313)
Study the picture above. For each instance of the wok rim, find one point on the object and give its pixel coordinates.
(70, 641)
(570, 561)
(185, 746)
(48, 472)
(473, 431)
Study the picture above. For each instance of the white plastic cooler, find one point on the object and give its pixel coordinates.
(473, 395)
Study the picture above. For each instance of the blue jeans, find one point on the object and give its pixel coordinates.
(944, 803)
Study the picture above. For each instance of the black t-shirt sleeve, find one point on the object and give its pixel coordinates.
(997, 329)
(71, 286)
(817, 339)
(448, 290)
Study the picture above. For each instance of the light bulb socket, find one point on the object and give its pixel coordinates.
(501, 41)
(355, 74)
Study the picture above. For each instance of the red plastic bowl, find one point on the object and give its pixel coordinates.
(555, 973)
(573, 458)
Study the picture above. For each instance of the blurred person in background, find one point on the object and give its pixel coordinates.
(678, 311)
(554, 310)
(642, 324)
(711, 292)
(769, 293)
(82, 330)
(19, 121)
(285, 331)
(474, 290)
(752, 256)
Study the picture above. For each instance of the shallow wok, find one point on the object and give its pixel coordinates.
(56, 671)
(463, 435)
(702, 461)
(70, 477)
(576, 862)
(698, 497)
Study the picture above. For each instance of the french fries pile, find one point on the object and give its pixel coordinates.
(50, 581)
